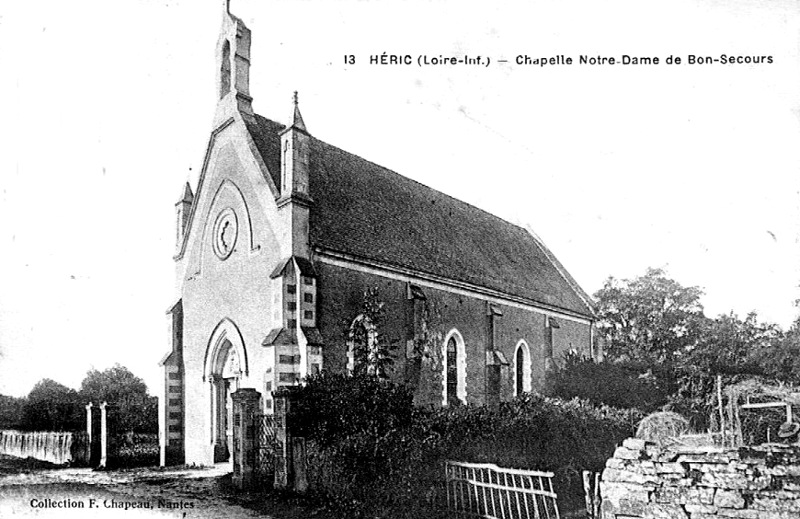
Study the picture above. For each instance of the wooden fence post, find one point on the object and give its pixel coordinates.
(588, 494)
(597, 500)
(591, 489)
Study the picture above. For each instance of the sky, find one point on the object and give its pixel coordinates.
(107, 108)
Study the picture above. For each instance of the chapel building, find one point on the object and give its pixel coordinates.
(280, 241)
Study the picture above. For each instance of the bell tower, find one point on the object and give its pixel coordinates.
(233, 67)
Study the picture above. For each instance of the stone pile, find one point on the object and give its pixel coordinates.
(701, 482)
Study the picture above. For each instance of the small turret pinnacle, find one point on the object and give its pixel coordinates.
(297, 118)
(188, 196)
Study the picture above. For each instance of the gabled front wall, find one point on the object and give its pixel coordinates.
(341, 292)
(232, 295)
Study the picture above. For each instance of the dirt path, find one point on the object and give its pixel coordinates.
(131, 494)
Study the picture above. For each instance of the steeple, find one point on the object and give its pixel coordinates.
(233, 67)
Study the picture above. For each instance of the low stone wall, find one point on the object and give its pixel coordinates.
(55, 447)
(701, 482)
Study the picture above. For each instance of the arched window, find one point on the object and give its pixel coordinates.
(522, 368)
(454, 370)
(451, 372)
(361, 346)
(225, 70)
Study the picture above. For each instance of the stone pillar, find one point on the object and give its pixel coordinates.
(217, 385)
(104, 434)
(94, 436)
(89, 438)
(283, 455)
(89, 420)
(245, 405)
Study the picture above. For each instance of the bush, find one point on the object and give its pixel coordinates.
(622, 385)
(538, 433)
(334, 406)
(134, 450)
(373, 454)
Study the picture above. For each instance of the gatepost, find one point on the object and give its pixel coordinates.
(92, 434)
(107, 428)
(283, 456)
(245, 405)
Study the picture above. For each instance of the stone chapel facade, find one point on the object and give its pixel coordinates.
(278, 244)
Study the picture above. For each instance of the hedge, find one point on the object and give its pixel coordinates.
(372, 454)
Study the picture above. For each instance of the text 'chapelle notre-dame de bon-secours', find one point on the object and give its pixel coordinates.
(528, 60)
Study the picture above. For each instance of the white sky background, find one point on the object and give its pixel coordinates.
(106, 105)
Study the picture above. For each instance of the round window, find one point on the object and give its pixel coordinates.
(225, 233)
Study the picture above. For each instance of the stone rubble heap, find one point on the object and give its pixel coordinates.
(701, 482)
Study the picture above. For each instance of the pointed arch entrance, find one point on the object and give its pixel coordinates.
(225, 364)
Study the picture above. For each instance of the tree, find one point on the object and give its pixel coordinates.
(51, 406)
(780, 358)
(729, 345)
(137, 411)
(650, 319)
(11, 412)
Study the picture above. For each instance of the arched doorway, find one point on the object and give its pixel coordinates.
(224, 366)
(224, 381)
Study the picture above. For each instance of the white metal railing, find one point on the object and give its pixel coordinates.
(487, 491)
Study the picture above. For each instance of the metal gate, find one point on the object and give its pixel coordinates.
(267, 446)
(488, 491)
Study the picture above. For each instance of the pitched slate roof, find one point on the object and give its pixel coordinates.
(365, 210)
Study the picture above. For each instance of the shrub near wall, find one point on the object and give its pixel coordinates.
(373, 454)
(130, 449)
(623, 385)
(538, 433)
